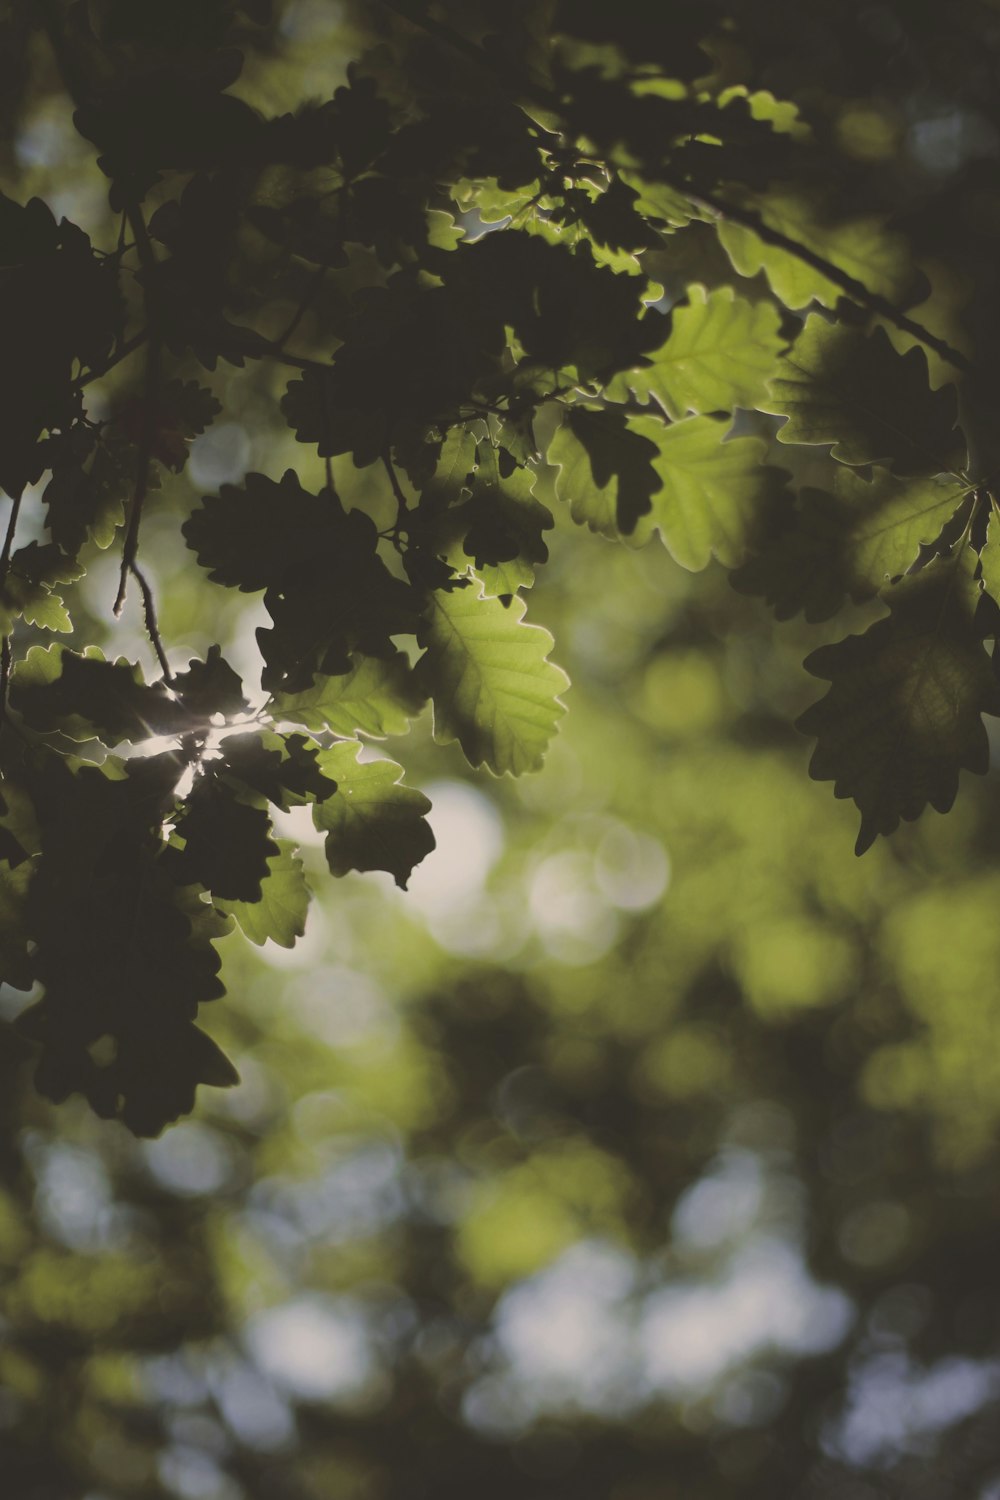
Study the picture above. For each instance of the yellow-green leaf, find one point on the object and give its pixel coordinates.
(715, 495)
(880, 259)
(852, 541)
(376, 697)
(720, 353)
(489, 678)
(280, 914)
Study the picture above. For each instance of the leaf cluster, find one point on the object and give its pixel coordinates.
(580, 270)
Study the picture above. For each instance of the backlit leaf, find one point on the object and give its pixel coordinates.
(606, 469)
(715, 496)
(87, 697)
(489, 678)
(375, 697)
(280, 914)
(848, 542)
(719, 354)
(864, 248)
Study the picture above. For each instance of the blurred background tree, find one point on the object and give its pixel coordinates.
(646, 1148)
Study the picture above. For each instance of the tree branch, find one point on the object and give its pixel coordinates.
(750, 219)
(115, 358)
(401, 505)
(152, 624)
(151, 393)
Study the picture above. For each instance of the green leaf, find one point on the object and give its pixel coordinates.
(904, 711)
(864, 248)
(488, 675)
(15, 957)
(594, 448)
(373, 822)
(327, 590)
(28, 589)
(719, 354)
(87, 697)
(835, 385)
(850, 542)
(211, 687)
(91, 480)
(500, 527)
(120, 951)
(284, 768)
(715, 496)
(989, 557)
(280, 914)
(226, 843)
(375, 697)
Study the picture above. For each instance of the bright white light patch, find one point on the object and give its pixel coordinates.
(893, 1404)
(573, 919)
(219, 456)
(189, 1159)
(632, 869)
(316, 1347)
(565, 1326)
(692, 1333)
(722, 1204)
(470, 840)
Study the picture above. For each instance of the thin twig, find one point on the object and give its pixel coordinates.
(114, 358)
(261, 348)
(151, 393)
(4, 678)
(5, 652)
(8, 541)
(311, 293)
(152, 624)
(750, 219)
(401, 505)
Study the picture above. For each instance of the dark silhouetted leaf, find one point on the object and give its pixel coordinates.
(594, 448)
(86, 697)
(837, 386)
(904, 711)
(374, 822)
(851, 542)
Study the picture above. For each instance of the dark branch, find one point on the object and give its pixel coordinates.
(309, 297)
(116, 357)
(151, 394)
(750, 219)
(401, 505)
(152, 624)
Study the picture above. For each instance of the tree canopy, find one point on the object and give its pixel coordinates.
(539, 396)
